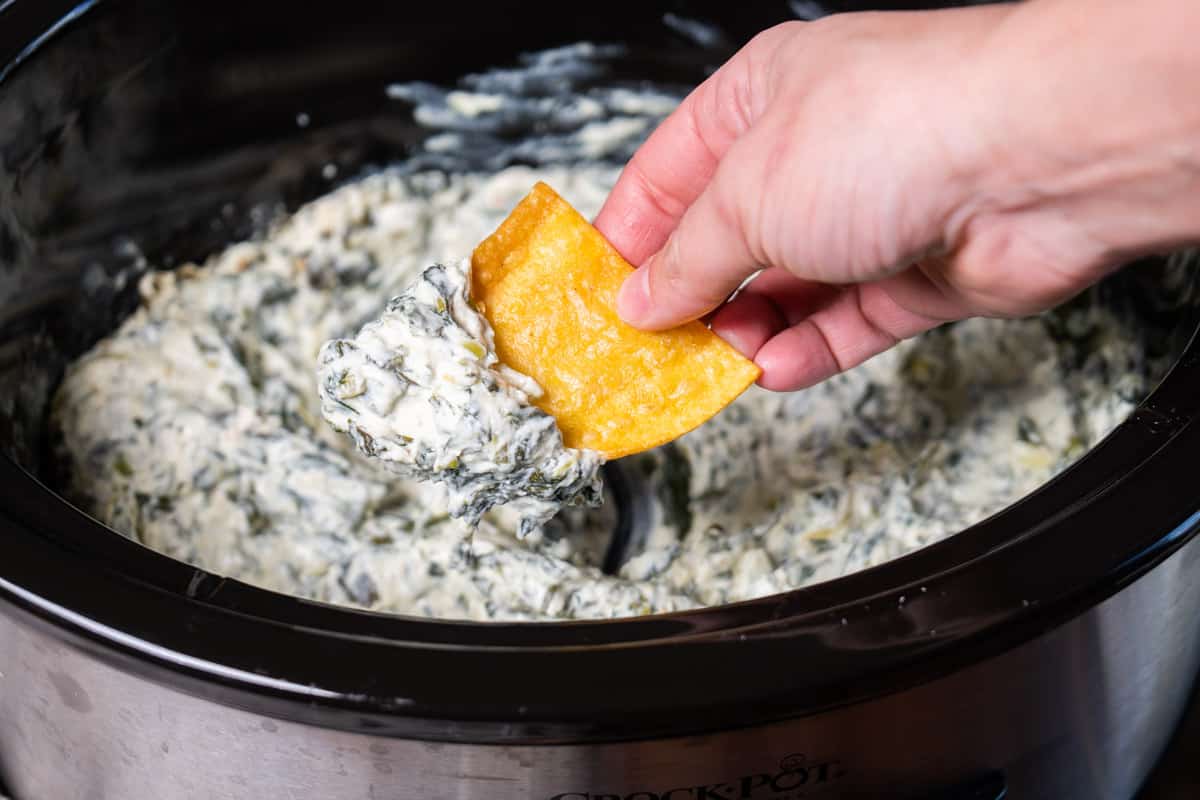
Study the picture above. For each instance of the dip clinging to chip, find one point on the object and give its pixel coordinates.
(508, 378)
(547, 282)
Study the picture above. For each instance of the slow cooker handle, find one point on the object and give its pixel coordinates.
(991, 787)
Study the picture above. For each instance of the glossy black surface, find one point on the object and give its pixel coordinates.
(150, 117)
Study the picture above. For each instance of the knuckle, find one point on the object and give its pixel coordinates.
(769, 39)
(1005, 269)
(676, 283)
(827, 358)
(663, 201)
(734, 98)
(727, 210)
(701, 121)
(670, 272)
(875, 324)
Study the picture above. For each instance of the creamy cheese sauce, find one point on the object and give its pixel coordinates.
(196, 427)
(422, 389)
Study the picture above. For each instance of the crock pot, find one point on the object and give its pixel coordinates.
(1045, 652)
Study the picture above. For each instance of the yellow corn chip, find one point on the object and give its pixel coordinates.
(547, 281)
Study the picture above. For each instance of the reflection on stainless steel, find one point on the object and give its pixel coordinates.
(1080, 713)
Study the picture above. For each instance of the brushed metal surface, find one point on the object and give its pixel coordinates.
(1176, 776)
(1080, 713)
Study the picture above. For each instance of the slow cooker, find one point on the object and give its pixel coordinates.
(1045, 652)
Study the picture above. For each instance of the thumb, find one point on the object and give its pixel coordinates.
(704, 260)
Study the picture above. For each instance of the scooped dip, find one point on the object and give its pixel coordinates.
(421, 389)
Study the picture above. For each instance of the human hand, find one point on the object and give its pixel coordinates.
(893, 171)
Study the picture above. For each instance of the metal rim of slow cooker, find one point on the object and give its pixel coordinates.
(907, 621)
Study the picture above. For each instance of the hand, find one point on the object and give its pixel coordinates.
(889, 172)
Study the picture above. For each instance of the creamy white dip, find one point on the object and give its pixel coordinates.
(196, 427)
(421, 389)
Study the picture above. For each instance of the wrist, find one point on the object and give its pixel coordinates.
(1088, 114)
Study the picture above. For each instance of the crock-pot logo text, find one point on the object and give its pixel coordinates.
(796, 777)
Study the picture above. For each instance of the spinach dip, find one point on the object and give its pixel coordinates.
(421, 389)
(196, 427)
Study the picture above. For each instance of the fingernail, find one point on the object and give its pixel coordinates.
(633, 299)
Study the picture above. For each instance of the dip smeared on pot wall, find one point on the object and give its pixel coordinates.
(196, 427)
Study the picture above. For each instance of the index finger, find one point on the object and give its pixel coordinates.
(677, 161)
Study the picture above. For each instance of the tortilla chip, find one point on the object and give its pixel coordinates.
(547, 281)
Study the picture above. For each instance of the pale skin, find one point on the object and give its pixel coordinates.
(890, 172)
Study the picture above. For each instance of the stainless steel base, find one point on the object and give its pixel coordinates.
(1080, 713)
(1176, 776)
